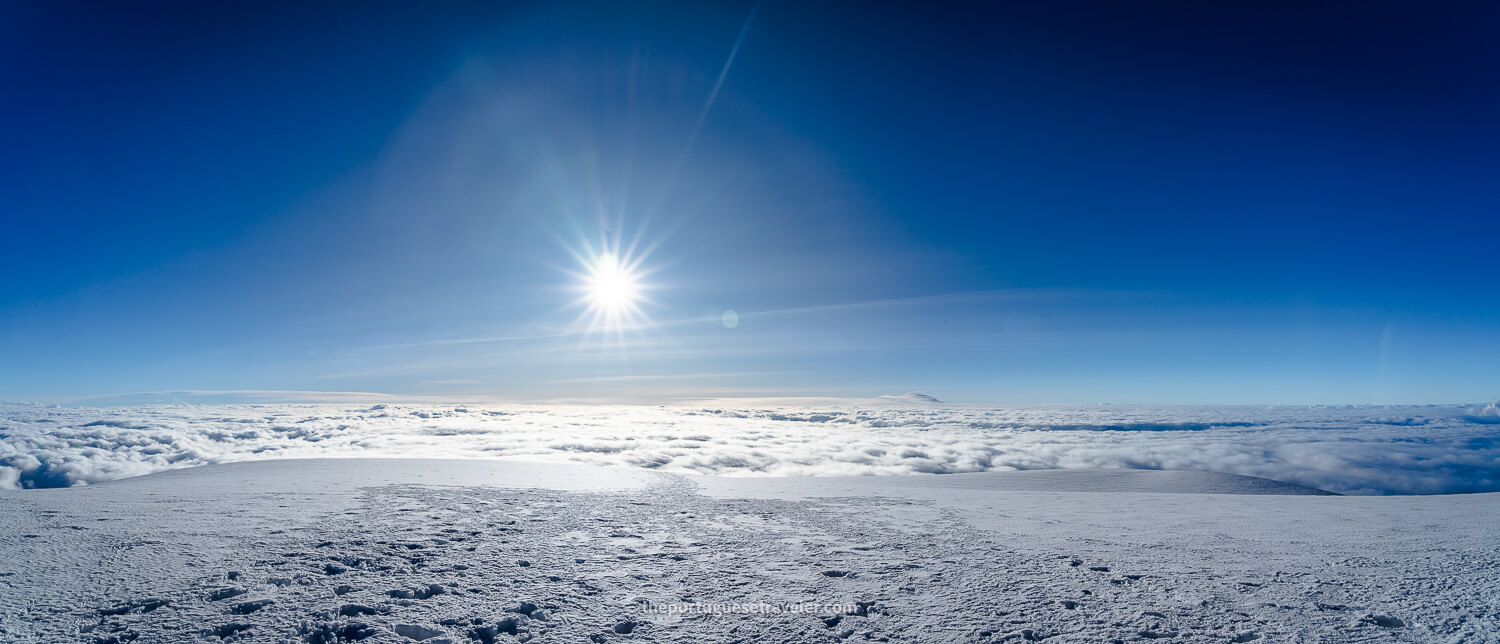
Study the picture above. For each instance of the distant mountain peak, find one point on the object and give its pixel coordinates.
(916, 396)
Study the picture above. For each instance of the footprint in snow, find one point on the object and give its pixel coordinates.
(1383, 621)
(228, 630)
(355, 610)
(225, 593)
(417, 632)
(246, 608)
(417, 592)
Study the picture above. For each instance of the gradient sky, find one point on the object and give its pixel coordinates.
(1166, 202)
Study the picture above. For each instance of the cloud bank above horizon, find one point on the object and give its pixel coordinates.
(1352, 450)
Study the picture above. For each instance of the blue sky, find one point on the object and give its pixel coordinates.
(1032, 202)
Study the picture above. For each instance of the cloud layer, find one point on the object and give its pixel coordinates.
(1360, 450)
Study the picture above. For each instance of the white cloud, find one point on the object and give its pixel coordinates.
(1487, 414)
(1373, 450)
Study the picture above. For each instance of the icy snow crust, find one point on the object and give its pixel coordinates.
(390, 551)
(1359, 450)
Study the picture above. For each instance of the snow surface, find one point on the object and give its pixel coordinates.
(482, 551)
(1350, 450)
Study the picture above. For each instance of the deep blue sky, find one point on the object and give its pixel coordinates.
(1176, 202)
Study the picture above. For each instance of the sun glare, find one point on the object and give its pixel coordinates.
(612, 287)
(613, 291)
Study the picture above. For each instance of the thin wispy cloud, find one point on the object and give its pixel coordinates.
(243, 395)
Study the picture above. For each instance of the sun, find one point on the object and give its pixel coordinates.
(613, 289)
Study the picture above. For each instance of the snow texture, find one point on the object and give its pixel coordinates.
(1349, 450)
(324, 551)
